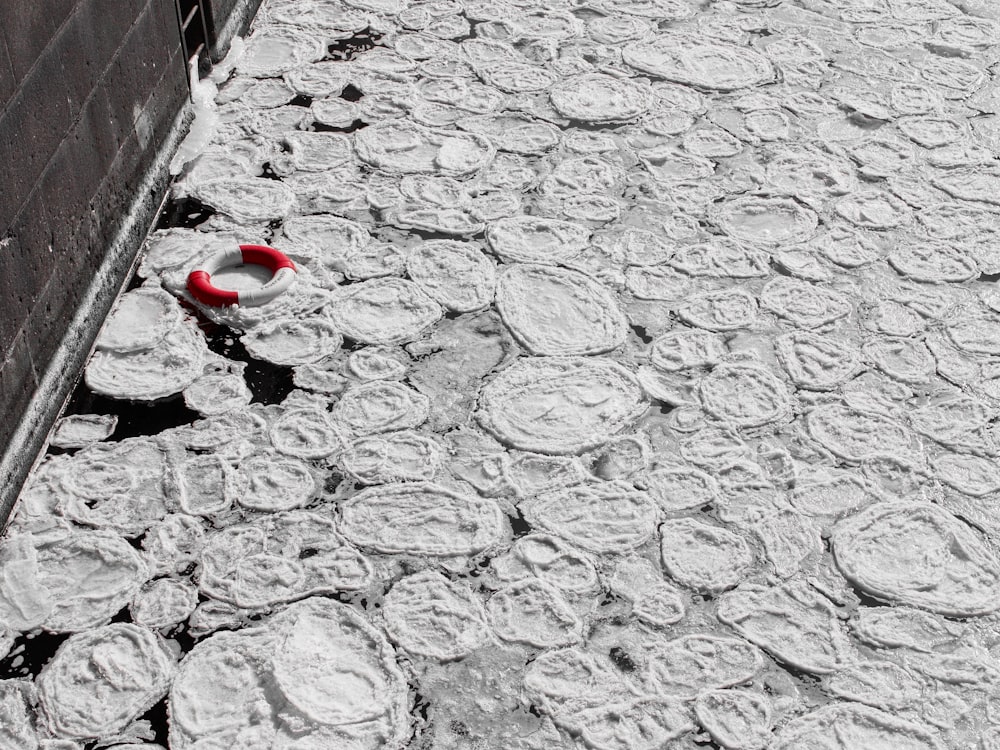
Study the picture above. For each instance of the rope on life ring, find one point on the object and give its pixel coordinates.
(199, 282)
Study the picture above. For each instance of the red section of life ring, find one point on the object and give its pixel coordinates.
(199, 282)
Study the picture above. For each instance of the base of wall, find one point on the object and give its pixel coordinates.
(236, 25)
(30, 439)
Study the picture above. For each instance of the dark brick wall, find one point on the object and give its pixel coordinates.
(89, 88)
(90, 92)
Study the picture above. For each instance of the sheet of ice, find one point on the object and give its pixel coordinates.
(638, 384)
(99, 681)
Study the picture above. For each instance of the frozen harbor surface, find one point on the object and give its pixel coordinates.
(637, 390)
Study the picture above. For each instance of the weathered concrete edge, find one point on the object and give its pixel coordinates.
(31, 438)
(236, 25)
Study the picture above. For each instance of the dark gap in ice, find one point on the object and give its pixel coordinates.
(452, 315)
(704, 741)
(348, 49)
(663, 406)
(123, 615)
(185, 212)
(621, 659)
(533, 710)
(779, 269)
(31, 652)
(267, 172)
(427, 235)
(157, 718)
(992, 277)
(302, 100)
(135, 418)
(319, 127)
(268, 383)
(519, 526)
(640, 331)
(351, 93)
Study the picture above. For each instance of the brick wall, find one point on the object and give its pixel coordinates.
(90, 91)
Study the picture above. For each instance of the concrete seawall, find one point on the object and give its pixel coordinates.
(93, 95)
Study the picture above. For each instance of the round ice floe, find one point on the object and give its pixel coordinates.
(80, 430)
(377, 363)
(331, 234)
(724, 310)
(163, 603)
(608, 517)
(793, 622)
(276, 50)
(430, 616)
(692, 663)
(271, 482)
(335, 674)
(846, 726)
(560, 405)
(921, 555)
(141, 319)
(421, 518)
(553, 311)
(882, 684)
(147, 375)
(645, 723)
(598, 97)
(550, 559)
(384, 311)
(704, 558)
(218, 392)
(904, 359)
(380, 406)
(873, 209)
(535, 613)
(407, 148)
(970, 475)
(305, 433)
(279, 558)
(744, 395)
(395, 457)
(250, 200)
(693, 61)
(67, 582)
(205, 484)
(292, 341)
(818, 362)
(736, 719)
(684, 348)
(765, 220)
(830, 494)
(17, 730)
(316, 152)
(456, 274)
(721, 258)
(530, 239)
(99, 681)
(804, 304)
(569, 684)
(903, 627)
(681, 488)
(657, 283)
(654, 601)
(855, 435)
(934, 262)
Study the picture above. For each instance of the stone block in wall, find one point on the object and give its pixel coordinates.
(28, 27)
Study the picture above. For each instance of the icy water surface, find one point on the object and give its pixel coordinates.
(637, 391)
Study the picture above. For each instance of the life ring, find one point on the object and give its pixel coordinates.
(199, 282)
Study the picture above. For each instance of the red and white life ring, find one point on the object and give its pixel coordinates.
(199, 282)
